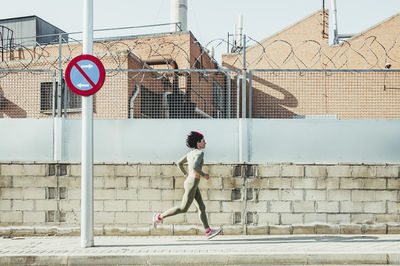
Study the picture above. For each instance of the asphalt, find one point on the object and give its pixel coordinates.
(197, 250)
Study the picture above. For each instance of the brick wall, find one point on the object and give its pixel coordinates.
(44, 198)
(302, 46)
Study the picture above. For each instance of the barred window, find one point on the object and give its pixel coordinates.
(46, 96)
(74, 101)
(150, 103)
(218, 98)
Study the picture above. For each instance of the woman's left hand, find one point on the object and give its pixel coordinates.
(206, 176)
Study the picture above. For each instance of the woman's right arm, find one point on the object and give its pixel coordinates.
(180, 164)
(198, 164)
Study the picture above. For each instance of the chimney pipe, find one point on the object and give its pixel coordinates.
(178, 13)
(240, 41)
(333, 32)
(234, 35)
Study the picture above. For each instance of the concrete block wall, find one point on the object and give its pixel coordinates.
(44, 198)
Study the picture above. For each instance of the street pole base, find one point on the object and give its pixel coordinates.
(87, 243)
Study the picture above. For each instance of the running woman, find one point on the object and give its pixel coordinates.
(195, 161)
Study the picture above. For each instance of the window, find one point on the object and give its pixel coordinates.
(46, 96)
(218, 98)
(150, 103)
(74, 101)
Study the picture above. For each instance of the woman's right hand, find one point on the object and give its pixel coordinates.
(206, 176)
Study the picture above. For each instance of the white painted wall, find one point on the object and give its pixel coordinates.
(26, 139)
(325, 141)
(152, 140)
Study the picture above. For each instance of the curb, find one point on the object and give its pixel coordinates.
(207, 259)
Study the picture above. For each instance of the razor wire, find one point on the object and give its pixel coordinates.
(369, 52)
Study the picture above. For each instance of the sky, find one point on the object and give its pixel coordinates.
(207, 19)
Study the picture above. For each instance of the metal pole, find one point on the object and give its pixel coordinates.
(228, 94)
(227, 44)
(323, 18)
(243, 134)
(65, 99)
(64, 85)
(237, 94)
(87, 139)
(59, 87)
(54, 97)
(244, 81)
(250, 95)
(53, 113)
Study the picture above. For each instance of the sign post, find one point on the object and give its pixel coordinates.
(87, 139)
(85, 75)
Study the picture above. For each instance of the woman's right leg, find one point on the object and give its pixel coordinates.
(210, 233)
(202, 209)
(190, 186)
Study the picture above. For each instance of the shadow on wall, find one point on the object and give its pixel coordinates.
(268, 106)
(265, 105)
(10, 109)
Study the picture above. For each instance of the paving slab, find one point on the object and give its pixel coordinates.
(197, 250)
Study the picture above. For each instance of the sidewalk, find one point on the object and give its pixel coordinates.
(197, 250)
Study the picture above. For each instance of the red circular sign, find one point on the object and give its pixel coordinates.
(85, 75)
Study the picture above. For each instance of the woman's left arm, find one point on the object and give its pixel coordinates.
(180, 164)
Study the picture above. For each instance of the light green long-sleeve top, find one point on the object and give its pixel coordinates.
(195, 162)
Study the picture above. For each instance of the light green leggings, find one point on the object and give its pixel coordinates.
(191, 192)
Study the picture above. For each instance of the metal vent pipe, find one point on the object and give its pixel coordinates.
(178, 14)
(333, 34)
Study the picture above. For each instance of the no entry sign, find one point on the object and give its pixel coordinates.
(85, 75)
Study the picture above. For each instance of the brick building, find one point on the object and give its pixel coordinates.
(340, 94)
(126, 92)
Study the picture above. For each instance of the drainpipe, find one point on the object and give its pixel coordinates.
(165, 103)
(131, 100)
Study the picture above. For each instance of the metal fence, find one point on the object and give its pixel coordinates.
(190, 93)
(28, 93)
(336, 94)
(170, 75)
(125, 94)
(167, 94)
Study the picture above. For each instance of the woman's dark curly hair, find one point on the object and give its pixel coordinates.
(193, 138)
